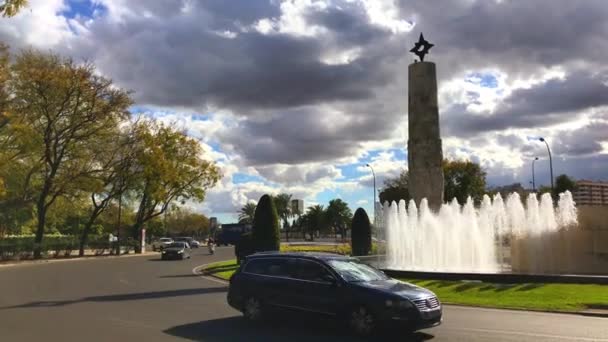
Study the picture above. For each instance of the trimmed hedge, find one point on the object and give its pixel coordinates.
(265, 230)
(361, 233)
(244, 247)
(22, 247)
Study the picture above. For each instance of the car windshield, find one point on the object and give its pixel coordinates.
(177, 245)
(355, 271)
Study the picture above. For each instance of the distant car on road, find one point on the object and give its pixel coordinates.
(333, 285)
(176, 250)
(161, 243)
(191, 242)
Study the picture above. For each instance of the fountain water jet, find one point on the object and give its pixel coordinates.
(468, 239)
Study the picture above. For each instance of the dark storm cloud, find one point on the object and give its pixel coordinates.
(238, 12)
(551, 102)
(349, 24)
(583, 141)
(517, 36)
(194, 54)
(303, 135)
(182, 61)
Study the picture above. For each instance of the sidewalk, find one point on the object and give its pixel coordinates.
(88, 255)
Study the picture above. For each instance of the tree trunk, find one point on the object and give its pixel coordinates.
(136, 231)
(286, 231)
(86, 230)
(41, 208)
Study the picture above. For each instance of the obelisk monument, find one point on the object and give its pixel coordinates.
(425, 153)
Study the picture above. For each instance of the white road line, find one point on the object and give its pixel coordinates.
(196, 272)
(519, 333)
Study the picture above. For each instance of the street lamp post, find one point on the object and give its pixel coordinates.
(533, 179)
(374, 174)
(550, 161)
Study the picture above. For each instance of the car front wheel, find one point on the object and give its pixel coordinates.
(252, 309)
(361, 320)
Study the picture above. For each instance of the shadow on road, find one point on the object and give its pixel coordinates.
(280, 329)
(122, 297)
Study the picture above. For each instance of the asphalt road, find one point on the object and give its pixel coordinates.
(144, 299)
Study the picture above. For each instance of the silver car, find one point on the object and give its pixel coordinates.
(161, 243)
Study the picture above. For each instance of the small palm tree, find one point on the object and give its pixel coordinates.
(247, 213)
(283, 204)
(315, 219)
(339, 216)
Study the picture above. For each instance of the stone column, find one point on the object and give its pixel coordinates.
(425, 154)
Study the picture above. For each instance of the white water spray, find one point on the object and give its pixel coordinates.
(469, 239)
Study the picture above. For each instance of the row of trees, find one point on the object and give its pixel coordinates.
(68, 143)
(462, 179)
(265, 234)
(333, 219)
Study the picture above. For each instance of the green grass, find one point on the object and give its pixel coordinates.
(222, 269)
(338, 249)
(343, 248)
(547, 297)
(544, 297)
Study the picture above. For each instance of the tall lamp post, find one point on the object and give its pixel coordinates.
(533, 179)
(550, 161)
(374, 174)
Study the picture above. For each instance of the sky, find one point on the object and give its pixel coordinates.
(297, 96)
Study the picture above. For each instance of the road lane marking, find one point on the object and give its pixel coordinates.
(526, 334)
(196, 272)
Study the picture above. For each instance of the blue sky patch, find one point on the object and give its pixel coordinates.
(83, 8)
(201, 117)
(486, 80)
(239, 178)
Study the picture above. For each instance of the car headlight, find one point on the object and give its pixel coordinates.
(180, 252)
(163, 252)
(404, 304)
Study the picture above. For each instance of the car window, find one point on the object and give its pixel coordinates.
(311, 271)
(271, 267)
(355, 271)
(176, 245)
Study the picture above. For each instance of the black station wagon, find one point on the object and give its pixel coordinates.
(333, 285)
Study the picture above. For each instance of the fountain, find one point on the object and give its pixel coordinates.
(469, 239)
(498, 236)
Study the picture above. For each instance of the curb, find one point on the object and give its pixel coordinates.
(199, 271)
(49, 261)
(594, 313)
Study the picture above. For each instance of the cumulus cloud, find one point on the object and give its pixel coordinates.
(294, 91)
(552, 102)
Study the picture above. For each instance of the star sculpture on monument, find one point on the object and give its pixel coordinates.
(421, 47)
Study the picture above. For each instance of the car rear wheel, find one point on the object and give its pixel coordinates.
(252, 309)
(361, 320)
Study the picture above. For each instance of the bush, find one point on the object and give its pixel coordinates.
(265, 231)
(244, 247)
(22, 246)
(361, 233)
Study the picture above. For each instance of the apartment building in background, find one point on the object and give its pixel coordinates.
(591, 192)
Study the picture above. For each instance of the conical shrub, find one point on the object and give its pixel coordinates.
(265, 229)
(361, 233)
